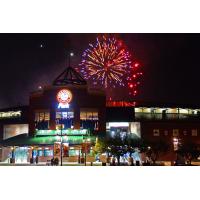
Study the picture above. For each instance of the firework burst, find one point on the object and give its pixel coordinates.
(109, 64)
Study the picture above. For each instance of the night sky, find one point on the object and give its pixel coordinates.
(170, 63)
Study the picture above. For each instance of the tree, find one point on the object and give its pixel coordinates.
(190, 151)
(100, 146)
(154, 149)
(131, 144)
(118, 146)
(115, 147)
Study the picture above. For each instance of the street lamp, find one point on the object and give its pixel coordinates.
(61, 141)
(61, 134)
(86, 146)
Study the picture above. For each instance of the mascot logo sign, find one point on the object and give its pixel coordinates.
(64, 97)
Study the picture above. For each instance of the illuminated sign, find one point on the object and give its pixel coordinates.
(64, 132)
(56, 148)
(64, 97)
(10, 114)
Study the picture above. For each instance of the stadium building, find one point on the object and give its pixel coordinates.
(71, 115)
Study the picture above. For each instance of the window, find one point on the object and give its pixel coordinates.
(11, 130)
(172, 110)
(89, 118)
(175, 132)
(194, 132)
(40, 152)
(156, 132)
(183, 111)
(65, 118)
(46, 116)
(89, 114)
(65, 115)
(48, 152)
(73, 152)
(42, 120)
(175, 144)
(42, 116)
(37, 117)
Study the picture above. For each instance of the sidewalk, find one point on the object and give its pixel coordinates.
(45, 164)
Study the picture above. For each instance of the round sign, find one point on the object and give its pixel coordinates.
(64, 96)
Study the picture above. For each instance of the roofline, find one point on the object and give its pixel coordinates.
(15, 108)
(152, 104)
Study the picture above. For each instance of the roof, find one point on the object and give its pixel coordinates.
(25, 107)
(69, 76)
(25, 140)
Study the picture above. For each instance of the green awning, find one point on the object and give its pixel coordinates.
(24, 140)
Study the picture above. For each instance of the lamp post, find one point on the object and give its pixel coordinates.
(61, 140)
(86, 146)
(85, 153)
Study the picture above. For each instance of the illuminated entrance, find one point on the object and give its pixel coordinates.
(123, 129)
(21, 155)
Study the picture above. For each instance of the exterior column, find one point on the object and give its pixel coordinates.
(77, 118)
(102, 120)
(52, 122)
(31, 119)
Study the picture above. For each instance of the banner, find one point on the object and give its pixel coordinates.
(85, 147)
(56, 149)
(65, 150)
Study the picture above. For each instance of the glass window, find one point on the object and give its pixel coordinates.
(40, 152)
(95, 115)
(70, 115)
(138, 110)
(176, 144)
(194, 132)
(37, 117)
(175, 132)
(47, 116)
(65, 118)
(83, 115)
(172, 110)
(183, 111)
(65, 115)
(48, 152)
(73, 152)
(58, 115)
(89, 118)
(156, 132)
(147, 110)
(89, 114)
(42, 116)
